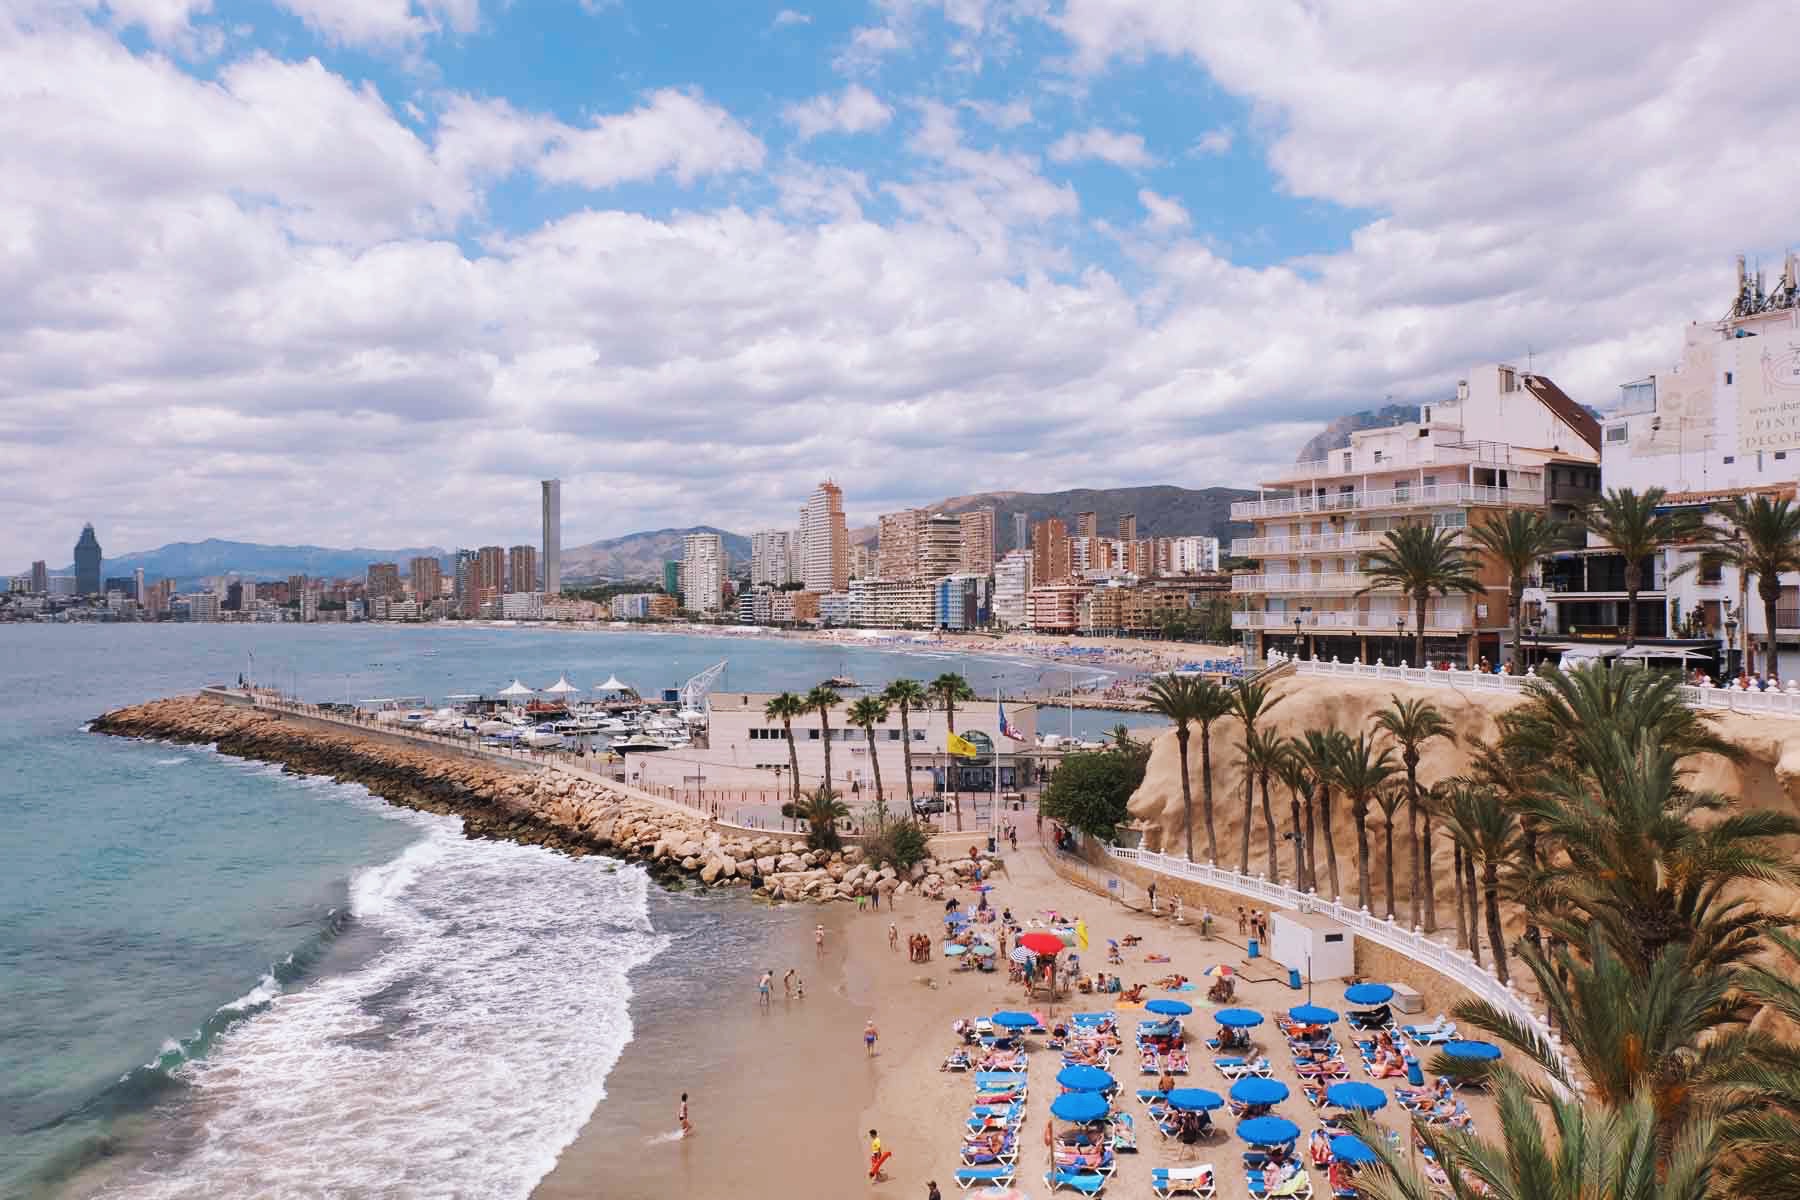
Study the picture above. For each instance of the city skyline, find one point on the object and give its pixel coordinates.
(1036, 246)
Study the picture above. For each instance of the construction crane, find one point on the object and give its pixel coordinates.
(694, 691)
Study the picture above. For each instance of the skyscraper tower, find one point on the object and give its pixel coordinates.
(87, 562)
(1021, 539)
(826, 539)
(552, 537)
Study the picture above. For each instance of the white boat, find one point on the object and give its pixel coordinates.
(495, 729)
(639, 744)
(541, 738)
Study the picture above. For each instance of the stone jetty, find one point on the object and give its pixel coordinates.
(531, 805)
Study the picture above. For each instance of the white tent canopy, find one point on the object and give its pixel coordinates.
(561, 687)
(517, 689)
(612, 684)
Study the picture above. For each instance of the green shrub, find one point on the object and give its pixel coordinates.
(900, 845)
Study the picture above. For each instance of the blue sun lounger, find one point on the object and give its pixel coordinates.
(998, 1175)
(1088, 1183)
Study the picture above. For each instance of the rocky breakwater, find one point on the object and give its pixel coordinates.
(529, 805)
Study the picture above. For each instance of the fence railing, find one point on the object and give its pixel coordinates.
(1447, 961)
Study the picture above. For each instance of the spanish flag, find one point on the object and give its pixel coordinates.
(1081, 939)
(962, 747)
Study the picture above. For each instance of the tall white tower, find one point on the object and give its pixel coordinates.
(552, 537)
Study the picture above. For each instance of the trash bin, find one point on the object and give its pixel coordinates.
(990, 843)
(1294, 978)
(1254, 950)
(1413, 1075)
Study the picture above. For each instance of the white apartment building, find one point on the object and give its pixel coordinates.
(825, 540)
(203, 606)
(771, 558)
(1193, 555)
(1508, 439)
(702, 572)
(834, 608)
(514, 606)
(1721, 424)
(1012, 587)
(889, 602)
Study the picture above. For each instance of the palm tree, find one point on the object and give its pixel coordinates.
(784, 708)
(1569, 717)
(1390, 800)
(866, 713)
(1767, 546)
(1422, 562)
(1630, 523)
(1292, 770)
(1319, 750)
(1488, 832)
(1412, 723)
(822, 700)
(951, 689)
(1212, 702)
(1361, 773)
(1250, 701)
(1517, 541)
(1177, 698)
(822, 811)
(1270, 746)
(906, 695)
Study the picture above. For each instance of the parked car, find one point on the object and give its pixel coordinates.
(929, 804)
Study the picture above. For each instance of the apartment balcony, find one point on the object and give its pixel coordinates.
(1343, 582)
(1435, 495)
(1437, 620)
(1309, 543)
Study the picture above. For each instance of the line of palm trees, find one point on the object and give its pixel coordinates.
(1651, 918)
(824, 805)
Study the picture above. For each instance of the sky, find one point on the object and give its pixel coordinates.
(360, 272)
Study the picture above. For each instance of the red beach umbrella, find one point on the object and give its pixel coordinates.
(1042, 943)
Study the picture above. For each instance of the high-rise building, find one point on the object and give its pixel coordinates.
(672, 578)
(383, 580)
(1021, 534)
(897, 551)
(552, 538)
(940, 547)
(1087, 524)
(1128, 527)
(203, 606)
(137, 584)
(862, 561)
(490, 577)
(827, 540)
(770, 558)
(1193, 555)
(40, 577)
(702, 571)
(1049, 552)
(977, 540)
(522, 569)
(464, 583)
(1012, 587)
(427, 579)
(87, 563)
(796, 557)
(296, 588)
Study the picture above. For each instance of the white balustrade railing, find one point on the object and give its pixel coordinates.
(1453, 964)
(1397, 497)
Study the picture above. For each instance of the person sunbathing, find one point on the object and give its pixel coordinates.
(1387, 1065)
(991, 1142)
(1133, 994)
(1340, 1177)
(1319, 1148)
(1171, 982)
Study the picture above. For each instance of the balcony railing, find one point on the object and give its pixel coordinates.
(1417, 453)
(1460, 494)
(1437, 620)
(1308, 543)
(1319, 581)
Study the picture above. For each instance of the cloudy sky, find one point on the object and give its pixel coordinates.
(362, 271)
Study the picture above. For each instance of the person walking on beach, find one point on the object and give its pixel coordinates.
(877, 1157)
(819, 940)
(787, 984)
(931, 1191)
(1152, 892)
(1243, 927)
(763, 987)
(893, 937)
(870, 1034)
(681, 1115)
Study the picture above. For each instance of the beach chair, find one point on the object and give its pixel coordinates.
(1183, 1181)
(982, 1156)
(995, 1175)
(958, 1060)
(1370, 1018)
(1124, 1133)
(1088, 1183)
(1178, 1063)
(999, 1079)
(1238, 1068)
(1440, 1029)
(1297, 1186)
(1150, 1096)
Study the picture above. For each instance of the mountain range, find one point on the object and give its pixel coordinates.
(188, 561)
(640, 555)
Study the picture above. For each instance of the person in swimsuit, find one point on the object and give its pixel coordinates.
(787, 984)
(681, 1115)
(763, 986)
(893, 936)
(869, 1036)
(819, 939)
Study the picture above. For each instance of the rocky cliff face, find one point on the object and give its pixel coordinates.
(532, 806)
(1336, 435)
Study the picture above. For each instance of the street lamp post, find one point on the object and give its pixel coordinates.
(1297, 637)
(1536, 629)
(1399, 640)
(1731, 660)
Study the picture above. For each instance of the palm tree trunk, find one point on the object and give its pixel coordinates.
(1528, 838)
(1212, 837)
(1187, 789)
(1420, 601)
(1456, 886)
(1337, 889)
(880, 800)
(1474, 907)
(1633, 579)
(1490, 878)
(1312, 847)
(1772, 670)
(1424, 868)
(1269, 826)
(1388, 831)
(1249, 812)
(825, 734)
(787, 729)
(1361, 818)
(1518, 603)
(906, 756)
(1412, 840)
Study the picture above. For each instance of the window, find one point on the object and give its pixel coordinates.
(1780, 454)
(1616, 433)
(1728, 379)
(1730, 458)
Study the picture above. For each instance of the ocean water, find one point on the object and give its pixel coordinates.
(219, 978)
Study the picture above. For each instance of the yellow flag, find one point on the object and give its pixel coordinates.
(1081, 942)
(962, 747)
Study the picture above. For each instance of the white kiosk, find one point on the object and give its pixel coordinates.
(1314, 945)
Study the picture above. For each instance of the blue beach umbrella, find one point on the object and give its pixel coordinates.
(1474, 1051)
(1364, 1096)
(1082, 1078)
(1255, 1090)
(1013, 1020)
(1312, 1014)
(1351, 1149)
(1368, 993)
(983, 950)
(1238, 1018)
(952, 950)
(1079, 1107)
(1169, 1008)
(1268, 1131)
(1195, 1099)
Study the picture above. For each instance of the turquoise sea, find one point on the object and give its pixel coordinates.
(217, 978)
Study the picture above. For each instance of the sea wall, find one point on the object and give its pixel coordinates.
(526, 804)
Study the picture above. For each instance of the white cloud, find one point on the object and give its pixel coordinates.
(1005, 117)
(1214, 141)
(676, 132)
(384, 22)
(1164, 213)
(1104, 145)
(854, 110)
(792, 16)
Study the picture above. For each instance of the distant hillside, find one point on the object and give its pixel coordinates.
(187, 561)
(1336, 435)
(1162, 511)
(640, 555)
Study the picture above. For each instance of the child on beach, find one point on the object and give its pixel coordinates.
(787, 984)
(877, 1157)
(762, 987)
(893, 936)
(869, 1036)
(819, 939)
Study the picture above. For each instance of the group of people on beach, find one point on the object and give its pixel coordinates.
(792, 986)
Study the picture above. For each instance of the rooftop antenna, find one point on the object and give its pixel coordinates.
(1528, 359)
